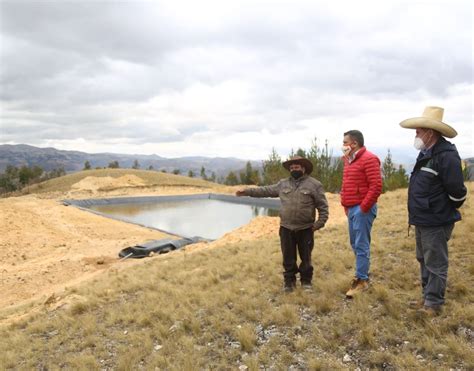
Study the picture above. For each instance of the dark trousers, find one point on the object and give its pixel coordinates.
(432, 254)
(302, 240)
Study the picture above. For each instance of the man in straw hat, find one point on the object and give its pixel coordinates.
(435, 193)
(361, 188)
(300, 196)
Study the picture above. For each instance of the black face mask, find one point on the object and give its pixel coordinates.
(296, 174)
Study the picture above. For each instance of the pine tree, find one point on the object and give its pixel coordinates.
(249, 176)
(273, 170)
(114, 165)
(231, 179)
(393, 178)
(203, 173)
(327, 170)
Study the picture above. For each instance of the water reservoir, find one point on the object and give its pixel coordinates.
(206, 215)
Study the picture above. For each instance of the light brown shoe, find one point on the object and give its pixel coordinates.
(428, 312)
(417, 304)
(357, 286)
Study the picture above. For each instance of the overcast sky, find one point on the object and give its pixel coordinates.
(232, 78)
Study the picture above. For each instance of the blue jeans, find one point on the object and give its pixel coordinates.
(360, 225)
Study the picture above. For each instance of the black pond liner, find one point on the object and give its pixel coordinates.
(157, 247)
(165, 245)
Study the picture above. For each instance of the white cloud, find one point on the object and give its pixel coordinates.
(235, 79)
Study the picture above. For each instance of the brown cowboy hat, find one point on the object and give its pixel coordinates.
(432, 118)
(299, 160)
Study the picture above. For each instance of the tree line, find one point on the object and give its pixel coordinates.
(14, 178)
(326, 168)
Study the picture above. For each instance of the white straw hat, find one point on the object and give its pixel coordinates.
(432, 118)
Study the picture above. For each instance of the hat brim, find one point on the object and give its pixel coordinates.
(303, 162)
(426, 123)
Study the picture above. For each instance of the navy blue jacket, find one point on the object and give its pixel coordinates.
(436, 187)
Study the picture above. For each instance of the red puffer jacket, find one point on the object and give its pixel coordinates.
(362, 180)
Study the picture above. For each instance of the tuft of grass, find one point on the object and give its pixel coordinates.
(79, 308)
(247, 338)
(367, 337)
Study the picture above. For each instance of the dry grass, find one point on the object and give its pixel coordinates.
(222, 308)
(151, 178)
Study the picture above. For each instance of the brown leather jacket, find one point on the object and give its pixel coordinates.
(299, 201)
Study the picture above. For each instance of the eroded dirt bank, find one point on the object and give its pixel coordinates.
(46, 246)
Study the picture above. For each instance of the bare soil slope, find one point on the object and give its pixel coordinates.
(46, 247)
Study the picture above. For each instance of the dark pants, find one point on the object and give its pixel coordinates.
(432, 254)
(302, 240)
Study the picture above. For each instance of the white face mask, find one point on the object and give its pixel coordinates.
(419, 144)
(346, 150)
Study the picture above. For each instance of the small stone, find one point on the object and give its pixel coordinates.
(440, 355)
(125, 332)
(158, 347)
(347, 358)
(176, 326)
(419, 356)
(243, 368)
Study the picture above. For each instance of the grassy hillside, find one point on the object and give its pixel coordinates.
(150, 178)
(223, 309)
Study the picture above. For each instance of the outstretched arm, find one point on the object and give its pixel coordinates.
(266, 191)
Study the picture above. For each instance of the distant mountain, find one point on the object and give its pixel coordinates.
(51, 158)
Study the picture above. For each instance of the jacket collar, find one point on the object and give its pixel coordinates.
(440, 146)
(298, 181)
(355, 156)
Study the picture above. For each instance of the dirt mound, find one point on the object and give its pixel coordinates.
(47, 246)
(95, 184)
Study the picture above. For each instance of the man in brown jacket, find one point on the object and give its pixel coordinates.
(300, 196)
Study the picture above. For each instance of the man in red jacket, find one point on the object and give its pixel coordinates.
(361, 187)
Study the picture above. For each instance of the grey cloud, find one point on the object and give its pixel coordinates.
(66, 67)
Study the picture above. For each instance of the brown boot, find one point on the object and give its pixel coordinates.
(357, 286)
(417, 304)
(427, 312)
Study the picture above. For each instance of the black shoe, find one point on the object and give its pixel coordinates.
(289, 288)
(306, 286)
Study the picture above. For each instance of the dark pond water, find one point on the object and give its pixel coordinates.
(205, 218)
